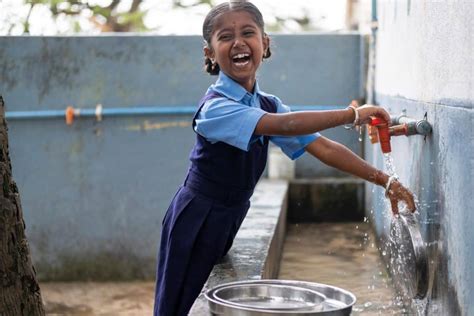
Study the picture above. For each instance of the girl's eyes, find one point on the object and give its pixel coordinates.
(228, 37)
(225, 37)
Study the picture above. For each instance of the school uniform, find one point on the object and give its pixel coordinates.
(209, 207)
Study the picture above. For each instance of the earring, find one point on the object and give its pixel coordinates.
(213, 64)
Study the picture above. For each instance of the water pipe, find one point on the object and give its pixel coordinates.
(99, 112)
(71, 113)
(404, 125)
(379, 130)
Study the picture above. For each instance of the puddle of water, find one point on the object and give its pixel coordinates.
(344, 255)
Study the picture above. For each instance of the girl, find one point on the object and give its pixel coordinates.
(233, 124)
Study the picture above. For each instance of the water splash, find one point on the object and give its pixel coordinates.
(388, 159)
(400, 260)
(401, 263)
(420, 306)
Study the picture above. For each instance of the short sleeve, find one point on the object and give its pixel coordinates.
(292, 146)
(228, 121)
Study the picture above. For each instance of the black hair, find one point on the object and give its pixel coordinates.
(232, 5)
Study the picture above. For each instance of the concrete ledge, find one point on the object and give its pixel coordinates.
(257, 248)
(326, 200)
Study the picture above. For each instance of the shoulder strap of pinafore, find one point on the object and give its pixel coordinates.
(266, 104)
(204, 99)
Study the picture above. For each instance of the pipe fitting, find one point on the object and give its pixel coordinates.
(411, 126)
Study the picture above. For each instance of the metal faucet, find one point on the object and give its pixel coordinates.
(404, 125)
(379, 130)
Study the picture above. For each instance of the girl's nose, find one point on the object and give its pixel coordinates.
(239, 42)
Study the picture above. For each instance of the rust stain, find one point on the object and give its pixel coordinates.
(147, 125)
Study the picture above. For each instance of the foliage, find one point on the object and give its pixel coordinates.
(279, 24)
(125, 15)
(106, 18)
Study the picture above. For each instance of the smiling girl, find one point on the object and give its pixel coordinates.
(234, 123)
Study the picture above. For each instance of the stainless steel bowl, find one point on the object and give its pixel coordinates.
(409, 260)
(338, 302)
(270, 297)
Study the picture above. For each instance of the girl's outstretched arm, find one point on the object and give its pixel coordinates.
(340, 157)
(308, 122)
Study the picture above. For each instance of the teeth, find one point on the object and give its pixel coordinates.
(240, 56)
(242, 63)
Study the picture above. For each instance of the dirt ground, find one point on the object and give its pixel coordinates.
(91, 298)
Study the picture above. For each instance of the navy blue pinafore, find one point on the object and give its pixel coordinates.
(205, 215)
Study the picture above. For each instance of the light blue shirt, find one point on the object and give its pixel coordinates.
(232, 118)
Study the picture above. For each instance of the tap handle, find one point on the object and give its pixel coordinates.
(384, 133)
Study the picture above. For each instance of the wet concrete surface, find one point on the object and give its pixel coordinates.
(344, 255)
(340, 254)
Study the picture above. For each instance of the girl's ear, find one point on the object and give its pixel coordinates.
(266, 41)
(266, 45)
(209, 53)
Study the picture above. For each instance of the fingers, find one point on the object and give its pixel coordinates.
(405, 195)
(394, 203)
(397, 193)
(410, 203)
(382, 113)
(368, 110)
(365, 112)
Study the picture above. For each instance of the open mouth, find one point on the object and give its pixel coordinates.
(241, 59)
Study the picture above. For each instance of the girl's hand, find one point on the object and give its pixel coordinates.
(366, 111)
(397, 192)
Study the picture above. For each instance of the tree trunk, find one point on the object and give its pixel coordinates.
(19, 289)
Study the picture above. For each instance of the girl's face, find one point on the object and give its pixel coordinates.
(237, 46)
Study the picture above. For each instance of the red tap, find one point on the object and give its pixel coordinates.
(384, 133)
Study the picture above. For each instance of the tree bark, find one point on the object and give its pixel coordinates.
(19, 289)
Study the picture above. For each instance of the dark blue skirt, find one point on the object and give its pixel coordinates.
(198, 229)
